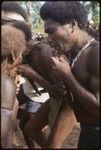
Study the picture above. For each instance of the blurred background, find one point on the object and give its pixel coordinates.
(33, 8)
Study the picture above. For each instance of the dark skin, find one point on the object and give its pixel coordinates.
(85, 63)
(83, 79)
(89, 96)
(34, 126)
(40, 68)
(79, 77)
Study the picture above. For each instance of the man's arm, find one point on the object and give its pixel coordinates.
(89, 100)
(28, 72)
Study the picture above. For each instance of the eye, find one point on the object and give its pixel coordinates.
(50, 30)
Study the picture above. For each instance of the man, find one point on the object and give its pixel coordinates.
(66, 22)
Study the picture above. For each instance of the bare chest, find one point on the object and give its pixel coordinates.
(81, 73)
(80, 70)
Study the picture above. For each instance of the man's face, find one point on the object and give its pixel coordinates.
(59, 33)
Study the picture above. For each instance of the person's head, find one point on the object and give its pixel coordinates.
(11, 10)
(64, 21)
(16, 31)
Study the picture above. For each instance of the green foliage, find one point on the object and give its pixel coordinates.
(39, 29)
(93, 8)
(33, 8)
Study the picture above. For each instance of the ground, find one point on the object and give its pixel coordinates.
(70, 142)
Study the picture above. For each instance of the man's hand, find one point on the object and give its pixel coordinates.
(61, 65)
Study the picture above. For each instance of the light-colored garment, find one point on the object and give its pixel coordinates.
(31, 93)
(54, 102)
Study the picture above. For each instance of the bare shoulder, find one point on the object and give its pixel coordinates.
(95, 44)
(94, 58)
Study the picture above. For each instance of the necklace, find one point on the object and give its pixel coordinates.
(80, 52)
(77, 57)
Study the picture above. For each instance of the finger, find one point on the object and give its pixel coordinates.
(18, 86)
(54, 60)
(62, 59)
(17, 90)
(57, 58)
(16, 79)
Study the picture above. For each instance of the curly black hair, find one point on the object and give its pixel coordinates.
(13, 6)
(64, 12)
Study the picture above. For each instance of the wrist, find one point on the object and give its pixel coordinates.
(67, 74)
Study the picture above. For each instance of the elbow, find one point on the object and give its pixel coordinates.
(96, 113)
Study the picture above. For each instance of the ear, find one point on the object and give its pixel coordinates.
(74, 25)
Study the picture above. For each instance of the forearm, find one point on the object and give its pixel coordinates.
(53, 89)
(15, 63)
(28, 72)
(39, 79)
(85, 98)
(34, 86)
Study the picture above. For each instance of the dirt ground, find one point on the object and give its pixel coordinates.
(69, 143)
